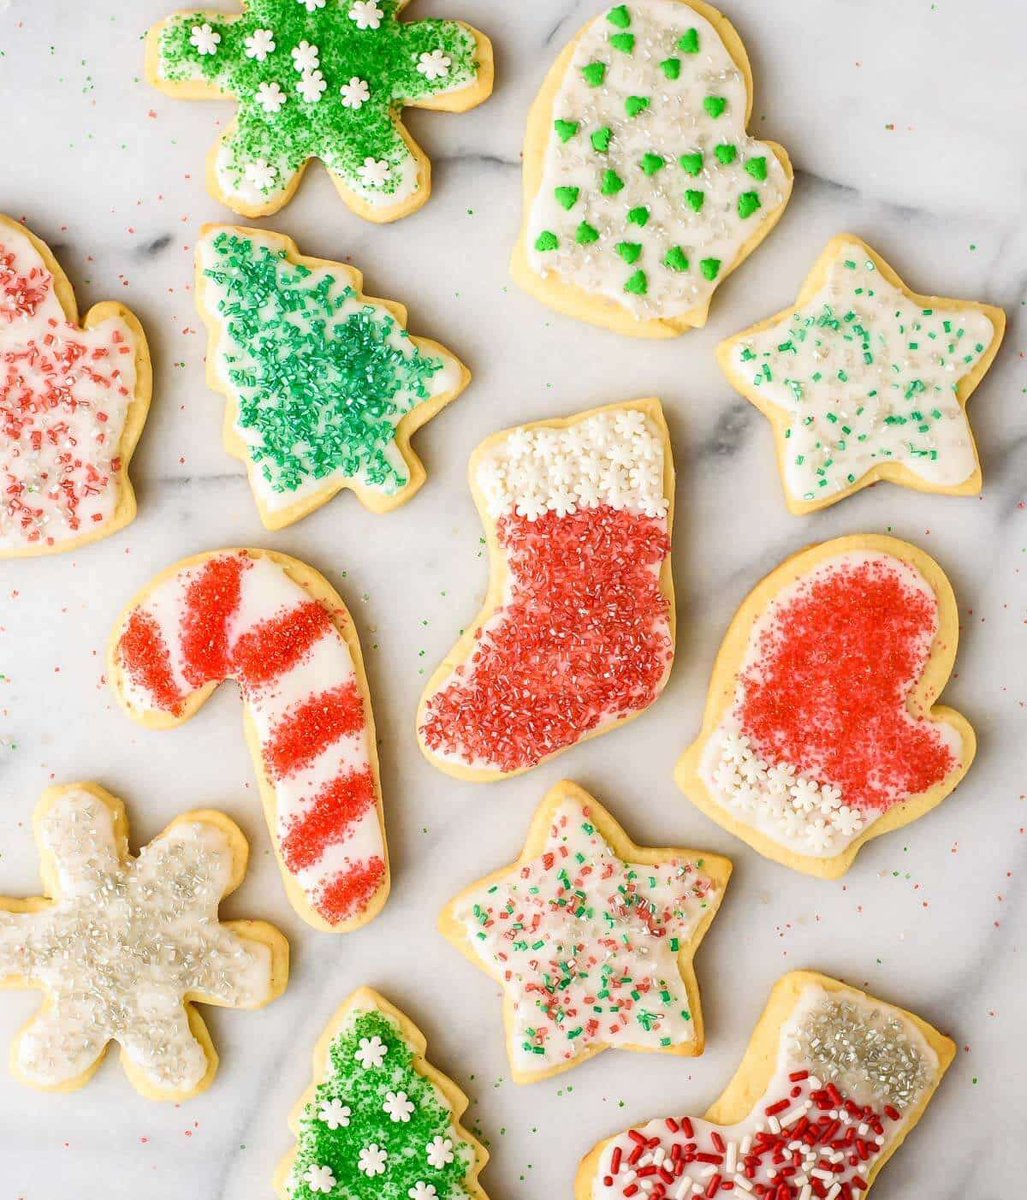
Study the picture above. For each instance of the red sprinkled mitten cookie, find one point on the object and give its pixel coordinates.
(73, 401)
(577, 632)
(820, 730)
(630, 917)
(831, 1085)
(277, 628)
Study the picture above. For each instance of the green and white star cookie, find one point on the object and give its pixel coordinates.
(865, 380)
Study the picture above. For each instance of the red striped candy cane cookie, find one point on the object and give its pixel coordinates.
(282, 633)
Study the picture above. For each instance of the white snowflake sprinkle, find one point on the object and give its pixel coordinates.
(311, 86)
(398, 1107)
(205, 39)
(371, 1052)
(334, 1114)
(434, 64)
(312, 5)
(366, 14)
(372, 1160)
(805, 794)
(355, 93)
(259, 44)
(319, 1179)
(374, 172)
(422, 1191)
(270, 97)
(261, 174)
(305, 57)
(439, 1152)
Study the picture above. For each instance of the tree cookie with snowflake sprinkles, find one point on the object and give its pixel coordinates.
(820, 730)
(379, 1122)
(324, 385)
(73, 401)
(576, 635)
(591, 938)
(280, 630)
(865, 380)
(832, 1083)
(642, 189)
(324, 79)
(125, 947)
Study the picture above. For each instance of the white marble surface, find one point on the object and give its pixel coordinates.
(905, 122)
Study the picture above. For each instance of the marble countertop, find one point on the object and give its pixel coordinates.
(906, 126)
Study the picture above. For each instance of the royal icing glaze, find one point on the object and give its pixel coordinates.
(650, 186)
(379, 1123)
(850, 1076)
(323, 81)
(590, 948)
(318, 376)
(65, 395)
(581, 634)
(818, 742)
(243, 615)
(123, 944)
(865, 375)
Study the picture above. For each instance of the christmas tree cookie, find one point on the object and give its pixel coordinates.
(282, 633)
(324, 385)
(642, 189)
(378, 1122)
(125, 947)
(324, 79)
(576, 635)
(820, 729)
(831, 1085)
(591, 938)
(73, 401)
(864, 380)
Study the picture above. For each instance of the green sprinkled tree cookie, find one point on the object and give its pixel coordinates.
(323, 79)
(643, 121)
(324, 385)
(378, 1122)
(864, 380)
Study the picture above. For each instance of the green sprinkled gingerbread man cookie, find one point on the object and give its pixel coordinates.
(379, 1123)
(325, 386)
(323, 79)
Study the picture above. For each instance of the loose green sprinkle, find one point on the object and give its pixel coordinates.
(612, 183)
(624, 42)
(689, 42)
(748, 203)
(601, 139)
(546, 240)
(639, 216)
(567, 197)
(695, 200)
(692, 163)
(671, 67)
(619, 16)
(631, 252)
(715, 106)
(710, 268)
(633, 105)
(676, 259)
(726, 153)
(757, 168)
(638, 284)
(594, 73)
(565, 130)
(651, 163)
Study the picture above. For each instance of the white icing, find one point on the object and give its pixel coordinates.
(900, 406)
(124, 945)
(609, 458)
(674, 124)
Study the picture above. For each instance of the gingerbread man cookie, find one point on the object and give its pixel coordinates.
(73, 402)
(630, 917)
(323, 79)
(324, 385)
(278, 628)
(125, 947)
(820, 730)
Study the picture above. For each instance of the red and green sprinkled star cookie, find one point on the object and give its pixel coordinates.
(591, 938)
(323, 79)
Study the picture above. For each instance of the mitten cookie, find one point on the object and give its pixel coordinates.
(282, 633)
(865, 380)
(323, 79)
(642, 188)
(831, 1085)
(378, 1122)
(124, 947)
(324, 385)
(577, 632)
(820, 731)
(591, 938)
(73, 401)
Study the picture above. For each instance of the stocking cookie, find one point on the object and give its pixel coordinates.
(577, 632)
(378, 1122)
(125, 947)
(282, 633)
(820, 730)
(630, 917)
(642, 189)
(831, 1085)
(73, 401)
(317, 79)
(865, 380)
(324, 385)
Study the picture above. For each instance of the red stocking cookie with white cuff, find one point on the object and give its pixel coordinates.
(576, 635)
(831, 1085)
(820, 730)
(73, 401)
(282, 633)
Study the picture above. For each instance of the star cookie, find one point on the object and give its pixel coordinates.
(125, 947)
(865, 380)
(591, 938)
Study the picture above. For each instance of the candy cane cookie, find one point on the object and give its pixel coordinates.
(277, 628)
